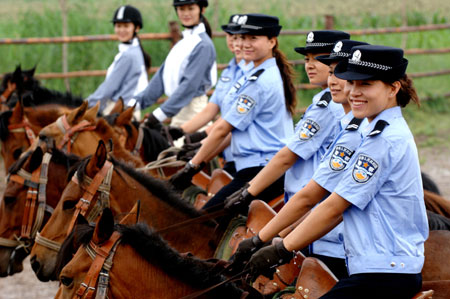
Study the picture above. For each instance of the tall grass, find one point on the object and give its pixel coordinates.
(35, 18)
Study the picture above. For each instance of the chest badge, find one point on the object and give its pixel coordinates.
(309, 129)
(244, 104)
(340, 158)
(364, 169)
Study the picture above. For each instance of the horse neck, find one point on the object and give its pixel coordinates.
(57, 174)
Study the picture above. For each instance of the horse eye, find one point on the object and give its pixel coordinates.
(9, 199)
(69, 204)
(17, 153)
(66, 281)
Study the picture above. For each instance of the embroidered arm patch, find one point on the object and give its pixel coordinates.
(340, 158)
(309, 129)
(364, 169)
(244, 104)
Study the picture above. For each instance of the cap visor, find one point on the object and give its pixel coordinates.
(325, 59)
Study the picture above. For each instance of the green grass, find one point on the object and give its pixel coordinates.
(36, 18)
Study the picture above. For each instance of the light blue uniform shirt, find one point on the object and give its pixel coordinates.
(328, 175)
(314, 133)
(228, 78)
(386, 226)
(261, 121)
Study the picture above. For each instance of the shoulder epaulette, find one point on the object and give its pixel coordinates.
(354, 124)
(379, 127)
(324, 100)
(255, 76)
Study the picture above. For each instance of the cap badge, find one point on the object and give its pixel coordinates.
(337, 47)
(310, 37)
(242, 20)
(235, 19)
(356, 56)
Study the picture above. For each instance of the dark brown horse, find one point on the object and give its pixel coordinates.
(145, 266)
(161, 208)
(15, 201)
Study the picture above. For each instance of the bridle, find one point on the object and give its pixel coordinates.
(24, 126)
(71, 133)
(35, 203)
(102, 256)
(100, 183)
(139, 140)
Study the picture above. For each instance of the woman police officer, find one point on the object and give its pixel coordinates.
(127, 75)
(380, 196)
(260, 118)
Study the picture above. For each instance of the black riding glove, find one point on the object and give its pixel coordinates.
(172, 133)
(265, 260)
(195, 137)
(188, 151)
(238, 202)
(153, 123)
(182, 179)
(244, 252)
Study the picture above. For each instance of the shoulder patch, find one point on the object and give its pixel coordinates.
(324, 100)
(244, 104)
(379, 127)
(340, 158)
(256, 75)
(308, 130)
(364, 169)
(354, 124)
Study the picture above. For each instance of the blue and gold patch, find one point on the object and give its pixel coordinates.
(309, 129)
(340, 158)
(364, 169)
(244, 104)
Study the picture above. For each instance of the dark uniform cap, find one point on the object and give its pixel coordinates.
(232, 23)
(372, 62)
(201, 3)
(322, 41)
(341, 50)
(128, 14)
(256, 24)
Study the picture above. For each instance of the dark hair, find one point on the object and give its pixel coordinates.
(287, 74)
(207, 26)
(147, 58)
(407, 92)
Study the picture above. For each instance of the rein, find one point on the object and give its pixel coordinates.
(71, 133)
(35, 202)
(24, 126)
(102, 256)
(139, 141)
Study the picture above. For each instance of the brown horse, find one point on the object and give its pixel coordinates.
(20, 126)
(161, 208)
(79, 132)
(15, 200)
(145, 266)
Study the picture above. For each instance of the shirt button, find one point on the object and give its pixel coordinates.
(402, 265)
(393, 264)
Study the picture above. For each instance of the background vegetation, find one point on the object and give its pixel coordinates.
(34, 18)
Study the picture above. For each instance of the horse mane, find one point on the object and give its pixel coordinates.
(429, 184)
(157, 187)
(17, 165)
(4, 123)
(150, 246)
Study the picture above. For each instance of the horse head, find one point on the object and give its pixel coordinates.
(123, 126)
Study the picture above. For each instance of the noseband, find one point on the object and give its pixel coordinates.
(71, 133)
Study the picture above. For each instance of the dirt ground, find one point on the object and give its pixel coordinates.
(435, 162)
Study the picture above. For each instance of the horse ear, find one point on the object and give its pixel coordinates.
(91, 114)
(104, 228)
(133, 216)
(17, 114)
(76, 115)
(36, 159)
(81, 220)
(98, 159)
(118, 107)
(125, 117)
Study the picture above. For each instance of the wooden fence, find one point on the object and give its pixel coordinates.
(174, 35)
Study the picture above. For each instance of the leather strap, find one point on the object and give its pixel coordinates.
(139, 140)
(28, 213)
(70, 132)
(24, 126)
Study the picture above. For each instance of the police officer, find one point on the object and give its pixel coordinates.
(329, 249)
(380, 196)
(127, 75)
(188, 72)
(260, 118)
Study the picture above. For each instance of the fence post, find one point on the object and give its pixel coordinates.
(65, 46)
(175, 34)
(329, 22)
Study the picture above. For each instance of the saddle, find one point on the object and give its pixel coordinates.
(212, 185)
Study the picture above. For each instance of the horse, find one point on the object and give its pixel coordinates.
(20, 126)
(161, 209)
(30, 91)
(138, 254)
(79, 131)
(52, 166)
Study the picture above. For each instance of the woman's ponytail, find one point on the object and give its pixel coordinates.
(407, 92)
(207, 26)
(147, 58)
(287, 74)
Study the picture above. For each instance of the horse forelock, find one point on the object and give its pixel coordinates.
(111, 118)
(159, 188)
(4, 123)
(17, 165)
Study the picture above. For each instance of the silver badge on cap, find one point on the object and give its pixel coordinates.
(356, 56)
(337, 47)
(310, 37)
(242, 20)
(235, 19)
